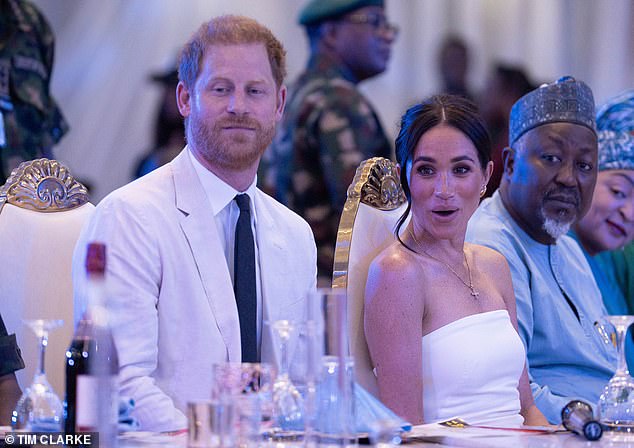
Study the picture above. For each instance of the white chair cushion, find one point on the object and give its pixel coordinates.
(35, 281)
(372, 232)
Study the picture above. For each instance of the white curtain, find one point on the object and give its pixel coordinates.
(106, 50)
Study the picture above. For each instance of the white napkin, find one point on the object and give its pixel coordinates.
(369, 411)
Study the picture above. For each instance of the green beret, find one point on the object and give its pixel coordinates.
(316, 11)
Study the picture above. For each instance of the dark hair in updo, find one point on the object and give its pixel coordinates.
(451, 110)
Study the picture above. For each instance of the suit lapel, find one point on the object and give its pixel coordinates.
(198, 225)
(271, 249)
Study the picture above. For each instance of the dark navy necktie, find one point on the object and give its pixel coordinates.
(244, 280)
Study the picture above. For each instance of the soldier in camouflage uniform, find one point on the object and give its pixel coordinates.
(30, 121)
(329, 127)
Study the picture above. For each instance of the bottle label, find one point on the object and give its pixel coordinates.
(86, 410)
(89, 394)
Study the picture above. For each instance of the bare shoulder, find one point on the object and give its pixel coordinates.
(395, 264)
(394, 277)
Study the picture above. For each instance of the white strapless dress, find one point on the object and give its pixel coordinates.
(471, 370)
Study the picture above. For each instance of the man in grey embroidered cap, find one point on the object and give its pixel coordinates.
(550, 169)
(329, 127)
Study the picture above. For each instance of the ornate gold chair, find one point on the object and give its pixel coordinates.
(42, 210)
(374, 204)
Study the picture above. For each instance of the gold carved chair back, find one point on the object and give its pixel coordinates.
(375, 202)
(42, 210)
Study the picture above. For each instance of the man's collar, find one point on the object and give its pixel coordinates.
(323, 62)
(506, 214)
(218, 192)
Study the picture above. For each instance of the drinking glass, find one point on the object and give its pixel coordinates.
(616, 403)
(39, 408)
(385, 433)
(245, 391)
(335, 422)
(331, 420)
(287, 400)
(210, 424)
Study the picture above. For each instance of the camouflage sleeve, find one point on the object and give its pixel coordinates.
(10, 355)
(35, 122)
(348, 132)
(44, 33)
(55, 122)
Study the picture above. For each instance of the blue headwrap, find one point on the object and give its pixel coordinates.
(615, 121)
(617, 114)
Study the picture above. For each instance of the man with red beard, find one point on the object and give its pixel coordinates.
(198, 258)
(550, 169)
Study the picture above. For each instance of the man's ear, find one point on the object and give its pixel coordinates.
(508, 158)
(329, 34)
(281, 102)
(183, 99)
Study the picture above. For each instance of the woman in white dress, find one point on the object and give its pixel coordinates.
(440, 317)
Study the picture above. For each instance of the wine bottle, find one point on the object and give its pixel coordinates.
(92, 364)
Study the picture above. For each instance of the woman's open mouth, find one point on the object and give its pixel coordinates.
(445, 213)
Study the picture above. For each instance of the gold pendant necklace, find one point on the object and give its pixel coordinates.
(469, 285)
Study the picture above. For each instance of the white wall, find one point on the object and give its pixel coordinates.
(106, 48)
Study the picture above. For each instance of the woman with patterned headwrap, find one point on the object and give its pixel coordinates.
(608, 226)
(618, 115)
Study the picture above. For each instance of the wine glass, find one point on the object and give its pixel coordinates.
(39, 408)
(287, 400)
(616, 403)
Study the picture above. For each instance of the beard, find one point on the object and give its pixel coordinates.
(232, 152)
(560, 224)
(555, 227)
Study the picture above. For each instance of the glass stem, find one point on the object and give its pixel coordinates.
(43, 344)
(621, 366)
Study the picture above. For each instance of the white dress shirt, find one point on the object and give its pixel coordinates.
(226, 212)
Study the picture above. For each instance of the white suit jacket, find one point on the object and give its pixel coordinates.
(171, 299)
